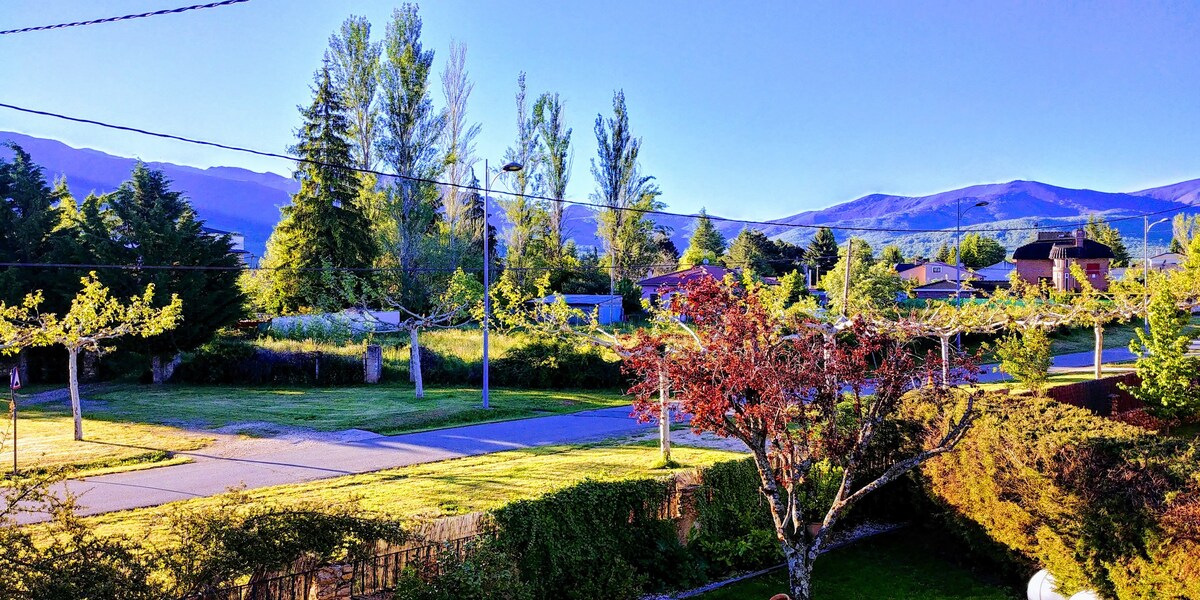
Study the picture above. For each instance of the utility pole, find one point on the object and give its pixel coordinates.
(14, 384)
(846, 283)
(1146, 225)
(488, 179)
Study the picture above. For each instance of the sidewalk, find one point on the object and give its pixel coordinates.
(358, 452)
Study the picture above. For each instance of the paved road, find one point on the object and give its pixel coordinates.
(1075, 360)
(209, 475)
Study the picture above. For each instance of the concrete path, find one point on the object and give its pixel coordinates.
(307, 460)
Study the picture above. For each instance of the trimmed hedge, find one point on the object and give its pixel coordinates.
(228, 361)
(557, 364)
(1100, 504)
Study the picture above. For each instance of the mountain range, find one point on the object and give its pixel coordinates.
(235, 199)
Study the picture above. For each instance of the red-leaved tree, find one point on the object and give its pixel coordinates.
(808, 400)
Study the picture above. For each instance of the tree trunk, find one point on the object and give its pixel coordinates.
(414, 362)
(799, 573)
(945, 339)
(162, 367)
(664, 418)
(1099, 331)
(73, 378)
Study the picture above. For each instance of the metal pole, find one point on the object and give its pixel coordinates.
(12, 408)
(1146, 274)
(846, 283)
(487, 280)
(958, 250)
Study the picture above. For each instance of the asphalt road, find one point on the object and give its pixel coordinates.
(209, 475)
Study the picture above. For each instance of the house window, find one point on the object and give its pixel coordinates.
(937, 269)
(1093, 271)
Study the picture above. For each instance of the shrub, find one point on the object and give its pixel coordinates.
(1168, 375)
(484, 571)
(1088, 498)
(543, 363)
(596, 540)
(1025, 356)
(734, 527)
(236, 362)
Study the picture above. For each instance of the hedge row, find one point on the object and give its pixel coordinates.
(537, 364)
(1102, 505)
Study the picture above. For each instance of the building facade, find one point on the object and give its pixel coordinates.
(1048, 260)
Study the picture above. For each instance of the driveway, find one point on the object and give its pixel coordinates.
(343, 453)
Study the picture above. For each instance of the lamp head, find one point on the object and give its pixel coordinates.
(512, 167)
(981, 203)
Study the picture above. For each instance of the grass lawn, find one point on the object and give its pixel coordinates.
(446, 488)
(46, 441)
(896, 566)
(385, 409)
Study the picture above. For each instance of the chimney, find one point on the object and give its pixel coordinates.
(1079, 237)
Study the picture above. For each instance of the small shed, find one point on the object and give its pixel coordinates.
(608, 307)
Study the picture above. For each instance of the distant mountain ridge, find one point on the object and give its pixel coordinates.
(236, 199)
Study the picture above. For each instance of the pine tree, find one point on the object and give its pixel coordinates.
(749, 251)
(945, 254)
(323, 228)
(706, 243)
(1108, 235)
(822, 252)
(149, 224)
(27, 226)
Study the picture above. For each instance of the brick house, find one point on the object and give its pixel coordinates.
(1049, 259)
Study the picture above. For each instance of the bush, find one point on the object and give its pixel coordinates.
(735, 531)
(545, 363)
(596, 540)
(1092, 500)
(484, 571)
(235, 362)
(1026, 356)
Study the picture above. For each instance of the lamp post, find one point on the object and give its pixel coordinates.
(489, 179)
(958, 244)
(1146, 225)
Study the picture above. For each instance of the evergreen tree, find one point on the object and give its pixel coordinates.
(323, 228)
(945, 254)
(706, 243)
(28, 222)
(891, 255)
(822, 252)
(149, 224)
(784, 257)
(1108, 235)
(750, 251)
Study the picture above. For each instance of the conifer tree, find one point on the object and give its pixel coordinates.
(749, 251)
(1108, 235)
(822, 252)
(150, 224)
(706, 243)
(27, 226)
(891, 255)
(323, 228)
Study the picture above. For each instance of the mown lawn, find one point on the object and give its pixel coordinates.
(385, 409)
(896, 566)
(445, 488)
(46, 441)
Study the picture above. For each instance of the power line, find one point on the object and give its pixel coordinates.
(166, 11)
(594, 205)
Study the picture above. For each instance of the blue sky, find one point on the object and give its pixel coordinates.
(754, 110)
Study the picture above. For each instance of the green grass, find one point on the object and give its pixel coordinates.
(447, 488)
(46, 441)
(897, 566)
(385, 408)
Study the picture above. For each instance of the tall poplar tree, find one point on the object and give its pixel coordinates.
(150, 224)
(323, 228)
(458, 142)
(706, 243)
(625, 193)
(554, 139)
(354, 65)
(527, 218)
(409, 144)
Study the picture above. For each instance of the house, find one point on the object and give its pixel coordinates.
(1049, 258)
(1167, 261)
(237, 242)
(653, 288)
(607, 308)
(942, 288)
(930, 272)
(998, 273)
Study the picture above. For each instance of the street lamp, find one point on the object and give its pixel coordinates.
(1146, 225)
(958, 243)
(489, 179)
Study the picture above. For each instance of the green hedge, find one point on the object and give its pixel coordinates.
(557, 364)
(229, 361)
(1100, 504)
